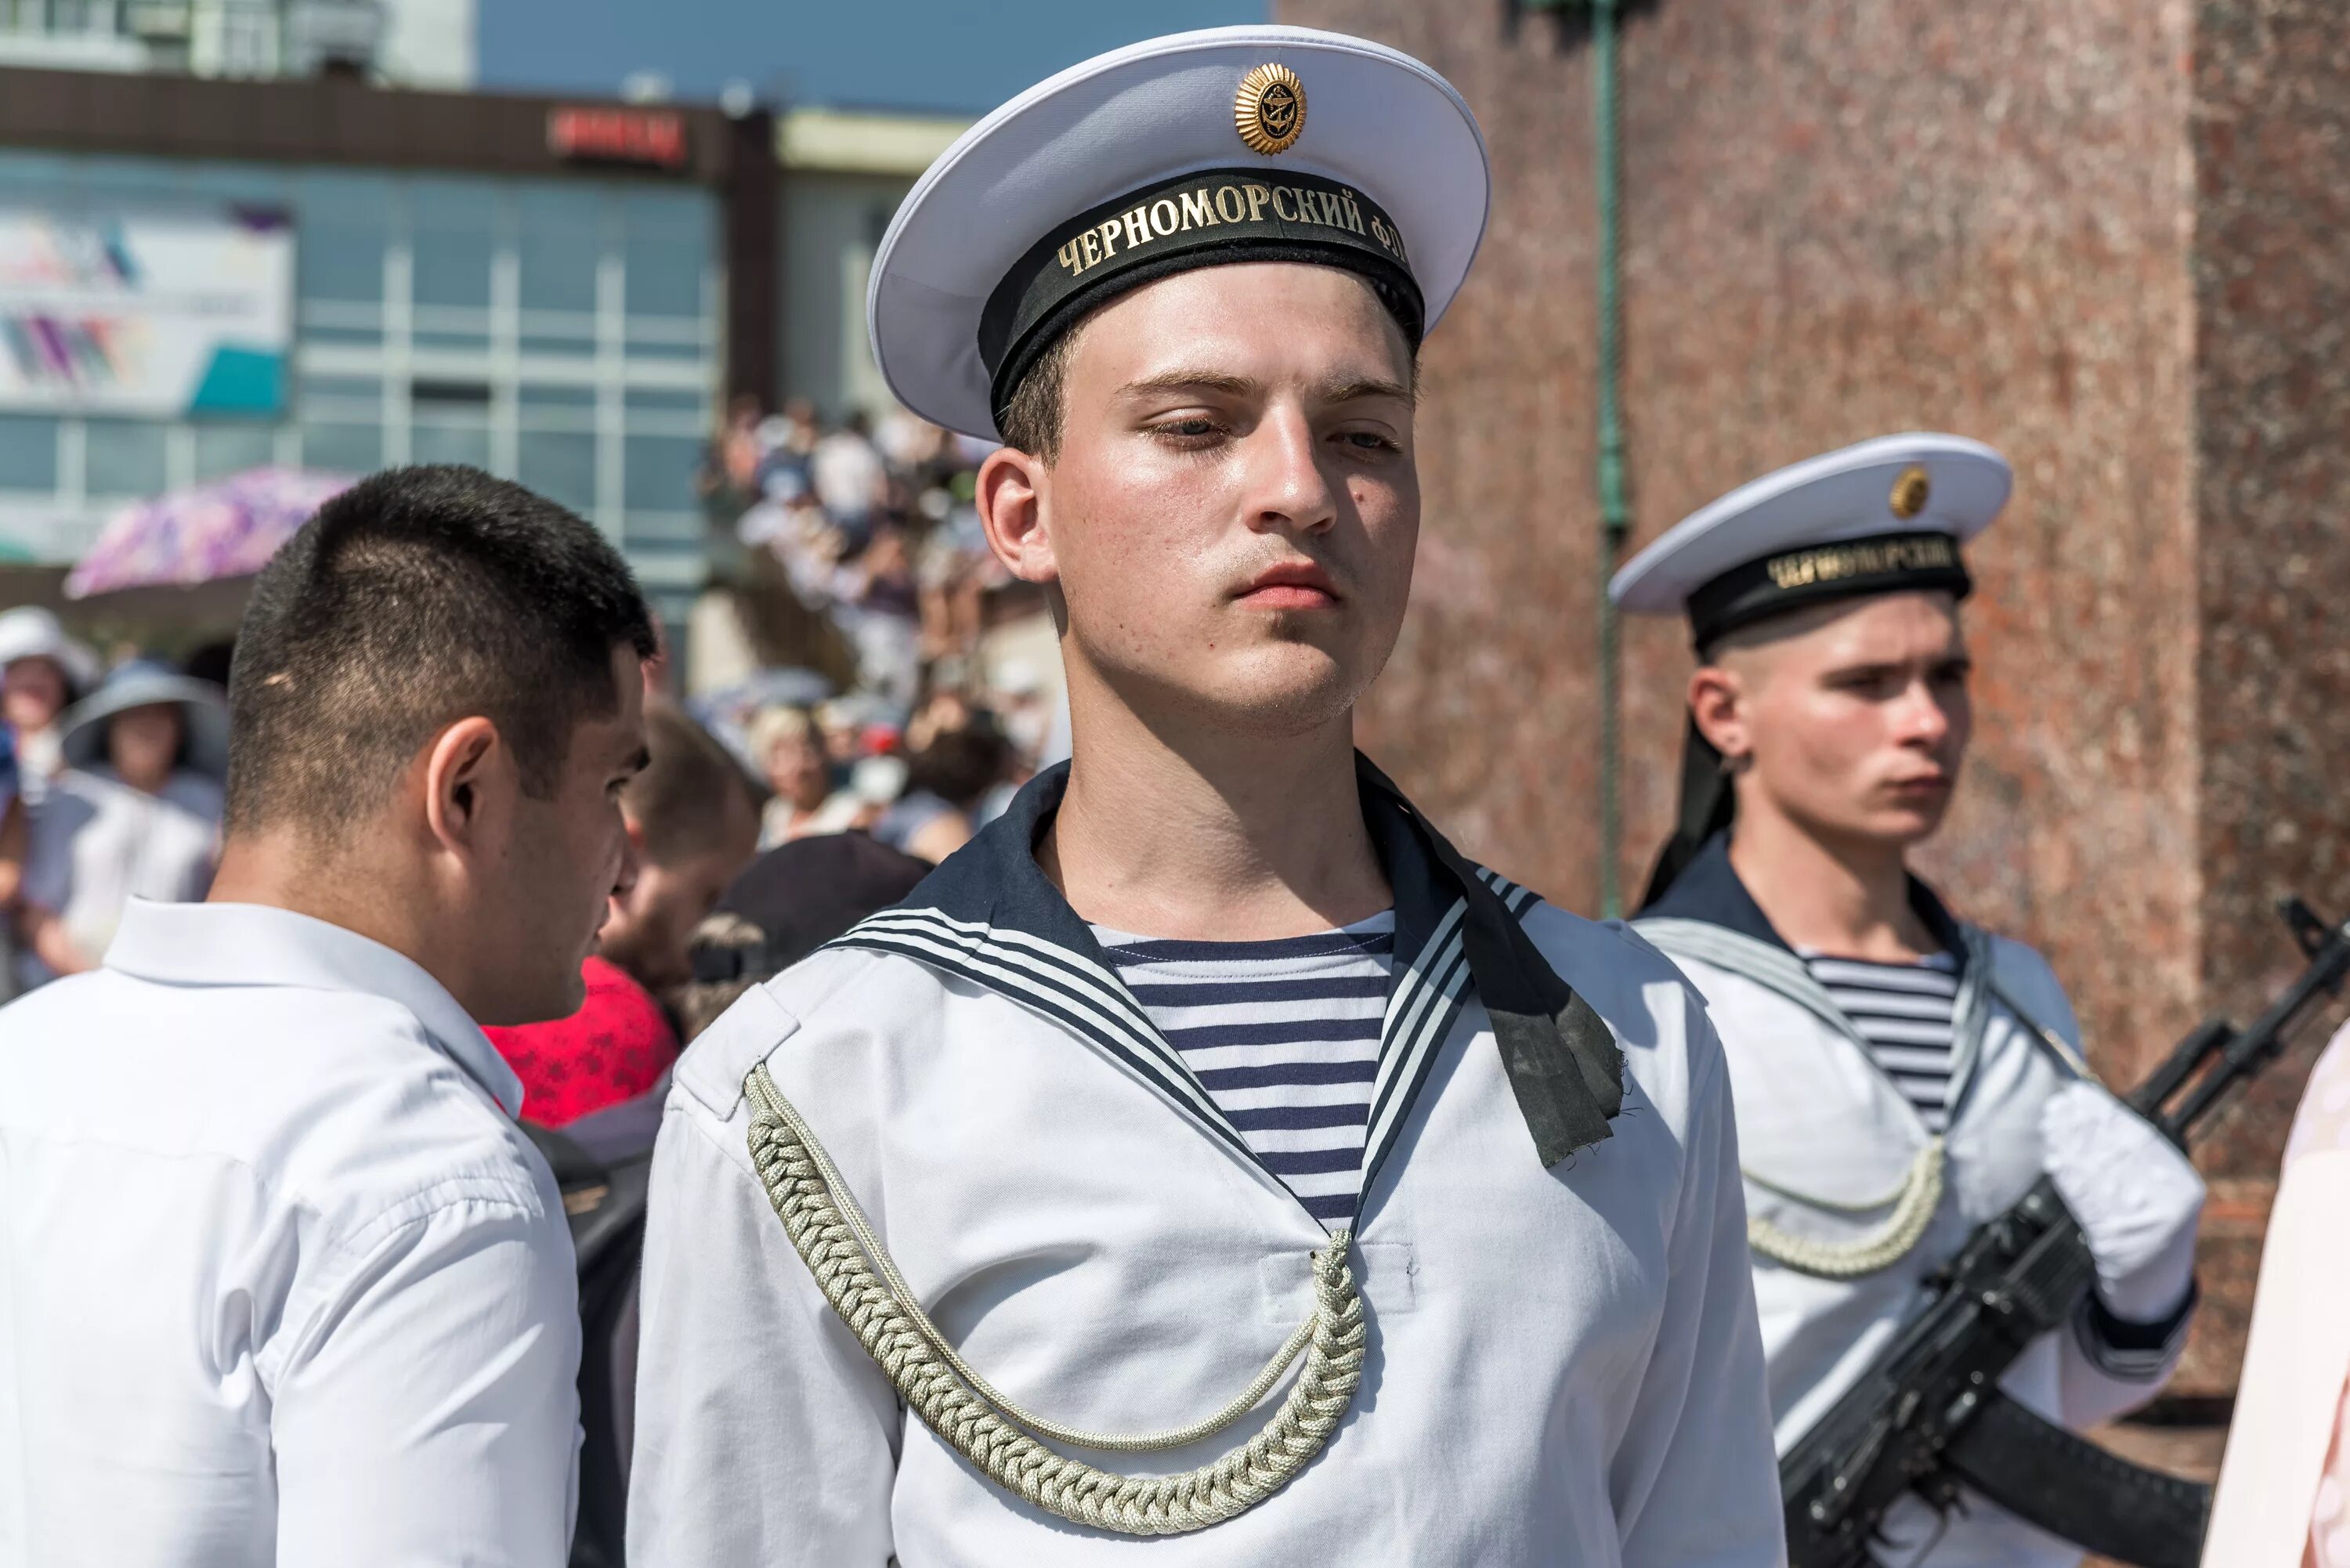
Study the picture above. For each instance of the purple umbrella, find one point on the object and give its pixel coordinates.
(227, 529)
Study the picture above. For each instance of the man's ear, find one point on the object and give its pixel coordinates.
(1717, 701)
(461, 781)
(1012, 500)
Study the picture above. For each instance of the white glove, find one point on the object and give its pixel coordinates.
(2136, 1197)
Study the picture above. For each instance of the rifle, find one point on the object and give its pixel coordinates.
(1928, 1415)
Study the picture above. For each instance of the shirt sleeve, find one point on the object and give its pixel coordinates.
(1695, 1481)
(764, 1433)
(430, 1411)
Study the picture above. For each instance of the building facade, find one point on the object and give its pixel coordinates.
(844, 174)
(406, 43)
(534, 286)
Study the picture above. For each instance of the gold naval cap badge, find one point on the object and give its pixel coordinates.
(1269, 112)
(1909, 493)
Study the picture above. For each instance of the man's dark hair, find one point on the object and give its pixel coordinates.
(679, 801)
(418, 597)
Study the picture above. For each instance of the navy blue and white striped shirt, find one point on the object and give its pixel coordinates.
(1905, 1012)
(1283, 1035)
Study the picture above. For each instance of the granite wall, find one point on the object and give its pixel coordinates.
(2102, 236)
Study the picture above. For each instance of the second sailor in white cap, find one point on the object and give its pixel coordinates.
(1902, 1075)
(1208, 1151)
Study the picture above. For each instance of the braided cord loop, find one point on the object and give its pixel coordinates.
(832, 1237)
(1914, 1203)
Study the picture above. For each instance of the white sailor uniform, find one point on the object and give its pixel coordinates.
(1562, 1363)
(1854, 1199)
(1827, 1137)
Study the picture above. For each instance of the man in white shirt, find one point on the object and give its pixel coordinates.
(280, 1280)
(1209, 1073)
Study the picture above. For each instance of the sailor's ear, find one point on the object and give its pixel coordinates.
(1717, 704)
(1014, 499)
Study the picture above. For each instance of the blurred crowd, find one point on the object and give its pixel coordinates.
(869, 527)
(109, 790)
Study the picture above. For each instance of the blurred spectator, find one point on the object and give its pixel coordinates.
(946, 781)
(1024, 705)
(728, 480)
(12, 862)
(881, 610)
(693, 825)
(136, 814)
(865, 546)
(851, 480)
(42, 672)
(790, 754)
(791, 901)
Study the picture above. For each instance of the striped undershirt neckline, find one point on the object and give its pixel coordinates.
(1285, 1037)
(1906, 1015)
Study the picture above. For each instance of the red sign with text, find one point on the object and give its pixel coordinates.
(655, 138)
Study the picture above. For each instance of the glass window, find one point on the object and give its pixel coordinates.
(117, 176)
(682, 533)
(667, 245)
(29, 451)
(567, 333)
(252, 183)
(558, 465)
(45, 174)
(660, 473)
(340, 388)
(340, 232)
(667, 400)
(125, 458)
(354, 336)
(451, 442)
(535, 396)
(458, 335)
(560, 239)
(452, 229)
(342, 448)
(224, 449)
(665, 353)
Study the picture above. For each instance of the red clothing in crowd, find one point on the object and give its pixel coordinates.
(614, 1048)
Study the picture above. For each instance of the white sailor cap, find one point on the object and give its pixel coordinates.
(1248, 143)
(1884, 517)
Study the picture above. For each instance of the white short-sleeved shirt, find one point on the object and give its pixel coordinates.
(281, 1282)
(94, 843)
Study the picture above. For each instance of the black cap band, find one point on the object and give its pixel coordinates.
(1175, 226)
(1792, 579)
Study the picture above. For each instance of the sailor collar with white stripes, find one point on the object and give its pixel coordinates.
(989, 916)
(1709, 889)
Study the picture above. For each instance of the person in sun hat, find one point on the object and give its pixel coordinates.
(1882, 1049)
(1209, 1073)
(42, 672)
(136, 814)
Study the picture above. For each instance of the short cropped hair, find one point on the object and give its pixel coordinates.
(418, 597)
(1035, 417)
(679, 801)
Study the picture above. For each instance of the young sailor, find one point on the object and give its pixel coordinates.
(1901, 1077)
(1210, 1076)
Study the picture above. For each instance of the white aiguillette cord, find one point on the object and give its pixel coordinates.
(1914, 1203)
(831, 1235)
